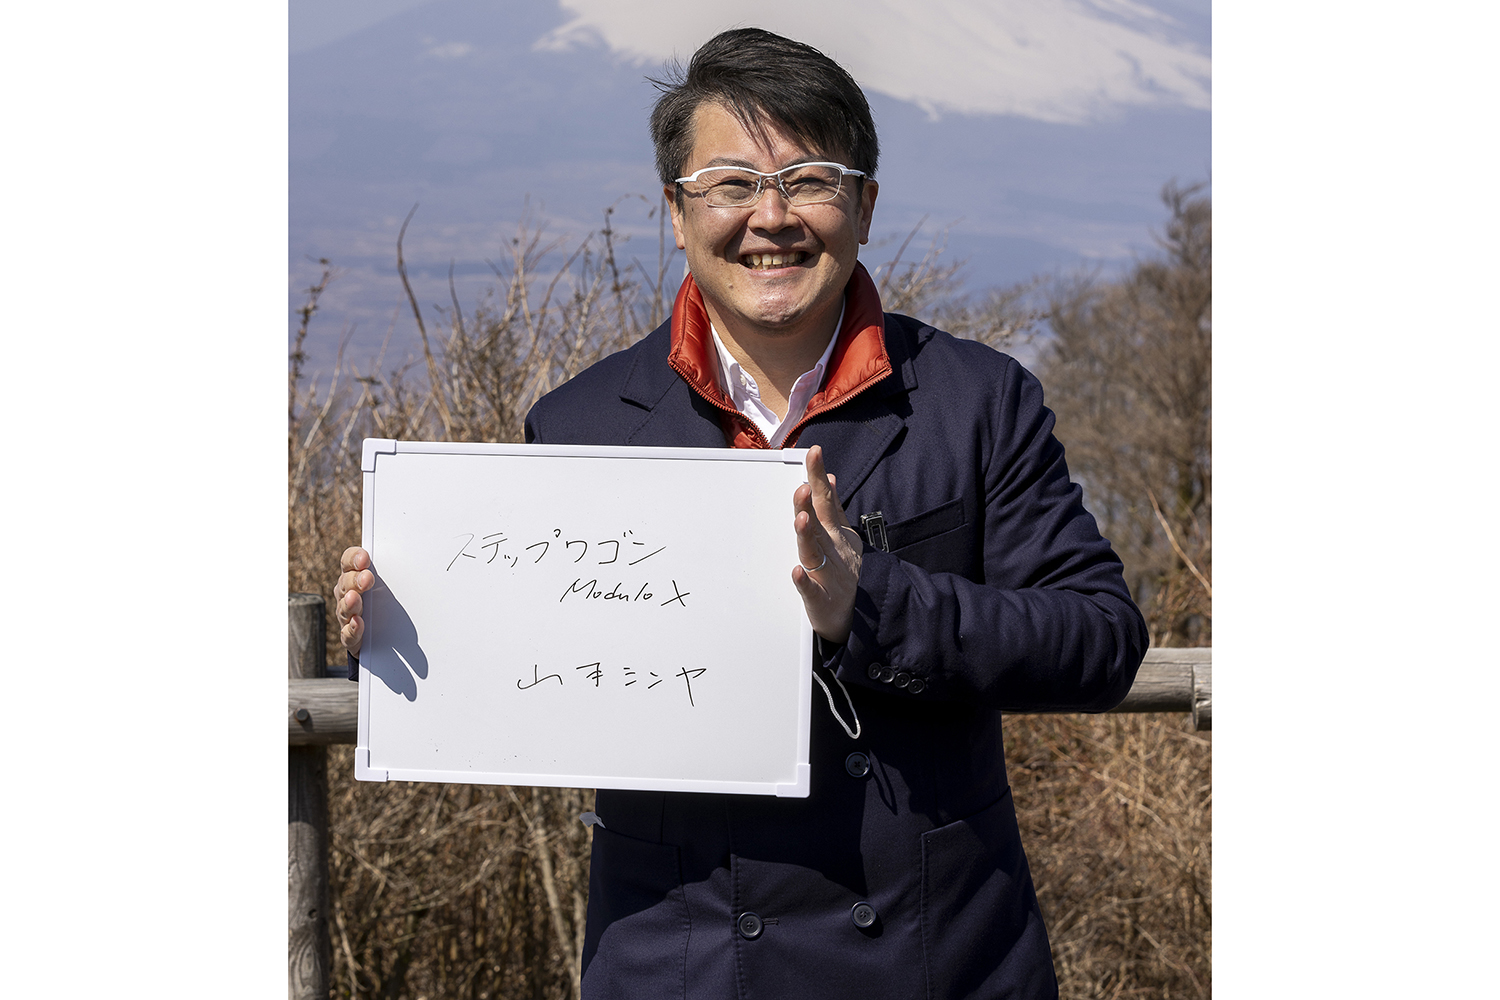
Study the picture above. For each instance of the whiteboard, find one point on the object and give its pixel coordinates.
(594, 617)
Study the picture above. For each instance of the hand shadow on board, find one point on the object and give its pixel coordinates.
(399, 632)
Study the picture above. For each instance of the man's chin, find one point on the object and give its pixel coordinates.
(785, 323)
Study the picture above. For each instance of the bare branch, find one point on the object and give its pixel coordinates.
(438, 396)
(1172, 538)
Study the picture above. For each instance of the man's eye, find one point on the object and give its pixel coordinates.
(808, 185)
(734, 182)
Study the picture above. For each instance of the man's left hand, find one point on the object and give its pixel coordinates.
(830, 551)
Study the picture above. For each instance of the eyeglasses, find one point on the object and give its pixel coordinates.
(740, 187)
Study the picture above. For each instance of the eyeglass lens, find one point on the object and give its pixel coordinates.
(731, 187)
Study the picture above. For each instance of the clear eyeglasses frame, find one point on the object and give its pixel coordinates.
(811, 183)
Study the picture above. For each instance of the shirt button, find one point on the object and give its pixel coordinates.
(750, 925)
(916, 685)
(863, 915)
(874, 672)
(857, 764)
(902, 679)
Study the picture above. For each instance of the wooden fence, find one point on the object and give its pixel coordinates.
(323, 710)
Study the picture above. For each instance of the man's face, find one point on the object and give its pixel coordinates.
(728, 249)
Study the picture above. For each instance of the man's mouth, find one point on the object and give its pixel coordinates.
(766, 261)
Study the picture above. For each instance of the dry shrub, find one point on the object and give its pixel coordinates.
(455, 890)
(930, 288)
(1115, 812)
(473, 891)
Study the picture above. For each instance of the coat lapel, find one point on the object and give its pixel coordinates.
(673, 415)
(856, 435)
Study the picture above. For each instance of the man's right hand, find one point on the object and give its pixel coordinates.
(355, 578)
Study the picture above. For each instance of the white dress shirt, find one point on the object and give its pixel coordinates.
(744, 393)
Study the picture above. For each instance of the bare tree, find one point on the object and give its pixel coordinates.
(931, 287)
(1128, 372)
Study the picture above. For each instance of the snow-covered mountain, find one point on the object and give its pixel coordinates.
(484, 111)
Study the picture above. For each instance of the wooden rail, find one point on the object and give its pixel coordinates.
(322, 711)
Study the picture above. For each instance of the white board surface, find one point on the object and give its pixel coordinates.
(584, 617)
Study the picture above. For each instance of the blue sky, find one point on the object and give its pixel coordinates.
(1037, 134)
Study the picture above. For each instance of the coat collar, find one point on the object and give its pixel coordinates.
(859, 358)
(855, 417)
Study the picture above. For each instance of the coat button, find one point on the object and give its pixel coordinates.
(887, 675)
(874, 672)
(863, 915)
(916, 685)
(750, 925)
(857, 764)
(902, 678)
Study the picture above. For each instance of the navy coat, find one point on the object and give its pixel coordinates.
(997, 593)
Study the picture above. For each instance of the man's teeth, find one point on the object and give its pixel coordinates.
(765, 260)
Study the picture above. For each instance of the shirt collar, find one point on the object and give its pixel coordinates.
(859, 359)
(740, 391)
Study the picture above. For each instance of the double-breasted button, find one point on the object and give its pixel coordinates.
(750, 925)
(863, 915)
(916, 685)
(874, 672)
(857, 764)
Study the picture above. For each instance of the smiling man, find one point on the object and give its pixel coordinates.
(974, 583)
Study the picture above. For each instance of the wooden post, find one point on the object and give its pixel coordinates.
(307, 785)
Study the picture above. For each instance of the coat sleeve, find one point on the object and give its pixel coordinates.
(1047, 625)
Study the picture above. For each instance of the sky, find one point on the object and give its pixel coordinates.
(1031, 137)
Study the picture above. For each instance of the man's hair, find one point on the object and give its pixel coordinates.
(764, 78)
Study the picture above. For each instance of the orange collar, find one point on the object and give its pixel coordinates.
(859, 358)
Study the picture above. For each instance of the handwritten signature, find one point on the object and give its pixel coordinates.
(630, 675)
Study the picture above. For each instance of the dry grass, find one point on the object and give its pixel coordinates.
(1115, 812)
(453, 891)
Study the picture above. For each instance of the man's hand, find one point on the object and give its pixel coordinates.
(830, 551)
(355, 578)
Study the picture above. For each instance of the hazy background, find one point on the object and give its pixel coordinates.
(1038, 133)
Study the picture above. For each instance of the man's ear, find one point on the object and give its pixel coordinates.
(869, 190)
(669, 192)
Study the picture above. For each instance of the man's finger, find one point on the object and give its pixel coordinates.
(825, 495)
(353, 583)
(814, 538)
(811, 539)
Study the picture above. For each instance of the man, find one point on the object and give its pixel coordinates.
(975, 583)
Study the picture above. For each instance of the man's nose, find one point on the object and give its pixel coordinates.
(773, 210)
